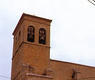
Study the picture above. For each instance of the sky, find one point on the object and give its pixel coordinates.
(72, 29)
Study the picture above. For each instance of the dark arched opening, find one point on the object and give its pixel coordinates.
(42, 36)
(31, 34)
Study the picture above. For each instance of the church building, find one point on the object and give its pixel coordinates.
(31, 54)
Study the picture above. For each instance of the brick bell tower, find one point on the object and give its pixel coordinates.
(31, 48)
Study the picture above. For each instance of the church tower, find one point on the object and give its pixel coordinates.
(31, 48)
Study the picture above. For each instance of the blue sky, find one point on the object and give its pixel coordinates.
(72, 29)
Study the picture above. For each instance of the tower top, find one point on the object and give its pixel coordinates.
(32, 18)
(31, 46)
